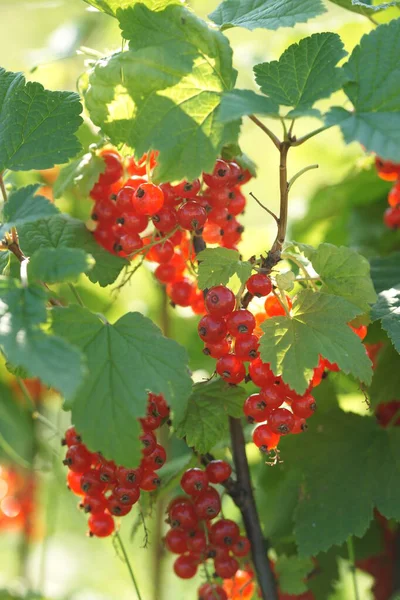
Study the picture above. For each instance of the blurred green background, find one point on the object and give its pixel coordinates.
(44, 39)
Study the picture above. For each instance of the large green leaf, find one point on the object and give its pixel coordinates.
(385, 272)
(218, 265)
(268, 14)
(112, 6)
(125, 361)
(364, 8)
(81, 174)
(305, 73)
(238, 103)
(165, 91)
(24, 207)
(373, 86)
(318, 326)
(387, 310)
(16, 429)
(37, 126)
(52, 359)
(62, 231)
(53, 265)
(385, 385)
(292, 572)
(206, 420)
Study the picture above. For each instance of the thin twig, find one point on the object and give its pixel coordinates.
(308, 136)
(265, 208)
(3, 188)
(128, 564)
(350, 549)
(275, 140)
(76, 295)
(300, 173)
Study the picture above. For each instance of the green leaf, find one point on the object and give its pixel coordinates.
(385, 272)
(374, 92)
(238, 103)
(385, 385)
(52, 359)
(268, 14)
(387, 310)
(112, 6)
(291, 572)
(206, 420)
(343, 272)
(37, 126)
(24, 207)
(81, 174)
(53, 265)
(171, 104)
(305, 73)
(62, 231)
(125, 361)
(361, 8)
(16, 431)
(318, 326)
(218, 265)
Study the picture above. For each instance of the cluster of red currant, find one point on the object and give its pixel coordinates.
(231, 336)
(391, 172)
(194, 534)
(134, 217)
(109, 490)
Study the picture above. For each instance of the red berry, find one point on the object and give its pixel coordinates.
(226, 567)
(304, 406)
(148, 199)
(127, 495)
(150, 481)
(114, 168)
(107, 471)
(220, 175)
(259, 285)
(281, 421)
(387, 170)
(74, 483)
(217, 349)
(187, 189)
(212, 329)
(220, 216)
(150, 422)
(129, 477)
(241, 547)
(207, 504)
(156, 459)
(360, 331)
(394, 195)
(165, 219)
(105, 211)
(231, 368)
(160, 404)
(300, 425)
(260, 373)
(117, 508)
(124, 199)
(224, 533)
(265, 439)
(218, 471)
(165, 273)
(220, 301)
(181, 292)
(185, 567)
(71, 438)
(256, 409)
(212, 591)
(129, 243)
(101, 525)
(391, 217)
(176, 541)
(149, 443)
(132, 222)
(194, 481)
(91, 483)
(237, 202)
(161, 253)
(94, 504)
(197, 541)
(191, 216)
(246, 347)
(273, 395)
(78, 458)
(241, 322)
(274, 308)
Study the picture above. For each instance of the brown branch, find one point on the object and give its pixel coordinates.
(275, 140)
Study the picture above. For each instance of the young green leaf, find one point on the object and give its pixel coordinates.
(318, 326)
(62, 231)
(111, 7)
(238, 103)
(373, 86)
(52, 359)
(387, 310)
(125, 361)
(292, 571)
(364, 8)
(206, 420)
(385, 272)
(305, 73)
(268, 14)
(218, 265)
(16, 430)
(169, 104)
(54, 265)
(37, 126)
(385, 385)
(81, 174)
(24, 207)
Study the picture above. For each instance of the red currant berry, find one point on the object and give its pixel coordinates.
(220, 176)
(117, 508)
(94, 504)
(241, 547)
(129, 243)
(150, 422)
(132, 222)
(212, 329)
(149, 443)
(217, 349)
(224, 533)
(165, 273)
(241, 322)
(265, 439)
(114, 168)
(129, 477)
(187, 189)
(191, 216)
(281, 421)
(394, 195)
(148, 199)
(74, 483)
(185, 567)
(226, 568)
(181, 292)
(256, 409)
(212, 591)
(304, 406)
(274, 308)
(259, 285)
(260, 373)
(237, 202)
(207, 504)
(197, 541)
(127, 495)
(101, 525)
(391, 217)
(156, 459)
(91, 483)
(161, 253)
(107, 471)
(161, 405)
(176, 541)
(150, 481)
(71, 438)
(220, 301)
(300, 425)
(218, 471)
(273, 395)
(124, 199)
(194, 481)
(231, 368)
(165, 219)
(246, 347)
(387, 170)
(78, 458)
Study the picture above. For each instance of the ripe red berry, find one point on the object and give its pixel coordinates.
(150, 481)
(94, 504)
(191, 216)
(71, 438)
(129, 477)
(281, 421)
(160, 403)
(220, 301)
(261, 373)
(114, 168)
(218, 471)
(187, 189)
(156, 459)
(127, 495)
(129, 243)
(165, 219)
(241, 547)
(226, 567)
(194, 481)
(274, 308)
(150, 422)
(132, 222)
(224, 533)
(220, 175)
(148, 199)
(185, 567)
(117, 508)
(181, 292)
(165, 273)
(387, 170)
(300, 425)
(74, 483)
(259, 285)
(212, 329)
(91, 482)
(231, 368)
(265, 439)
(161, 253)
(212, 591)
(101, 525)
(304, 406)
(217, 349)
(124, 199)
(207, 504)
(246, 347)
(241, 322)
(391, 217)
(107, 471)
(394, 195)
(197, 541)
(176, 541)
(256, 409)
(78, 458)
(273, 395)
(149, 443)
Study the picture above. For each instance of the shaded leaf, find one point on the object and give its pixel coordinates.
(218, 265)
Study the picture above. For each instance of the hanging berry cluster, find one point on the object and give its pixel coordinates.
(195, 534)
(135, 217)
(389, 171)
(109, 490)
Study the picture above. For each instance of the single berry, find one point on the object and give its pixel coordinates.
(217, 349)
(256, 409)
(93, 504)
(127, 495)
(259, 285)
(212, 591)
(220, 176)
(273, 395)
(149, 443)
(74, 483)
(156, 459)
(78, 458)
(212, 329)
(71, 438)
(241, 547)
(281, 421)
(231, 368)
(246, 347)
(129, 477)
(191, 216)
(101, 525)
(226, 568)
(185, 567)
(304, 406)
(218, 471)
(114, 168)
(241, 322)
(150, 481)
(148, 199)
(207, 504)
(181, 292)
(91, 483)
(117, 508)
(220, 301)
(176, 541)
(260, 373)
(265, 439)
(274, 308)
(194, 481)
(187, 189)
(224, 533)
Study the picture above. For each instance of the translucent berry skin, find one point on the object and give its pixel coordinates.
(184, 516)
(187, 189)
(191, 216)
(94, 504)
(226, 567)
(261, 373)
(211, 591)
(217, 349)
(161, 253)
(197, 541)
(91, 483)
(194, 481)
(74, 483)
(101, 525)
(300, 425)
(181, 293)
(78, 458)
(246, 347)
(224, 533)
(220, 301)
(256, 409)
(150, 481)
(71, 438)
(129, 477)
(387, 170)
(281, 421)
(117, 508)
(241, 322)
(259, 285)
(114, 168)
(207, 504)
(304, 406)
(394, 195)
(165, 273)
(156, 459)
(124, 198)
(231, 368)
(241, 547)
(220, 175)
(127, 495)
(237, 202)
(185, 567)
(218, 471)
(212, 329)
(148, 199)
(273, 396)
(149, 443)
(273, 307)
(176, 541)
(265, 439)
(129, 243)
(391, 217)
(165, 219)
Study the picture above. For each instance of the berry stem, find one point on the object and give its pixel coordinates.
(300, 173)
(128, 564)
(265, 208)
(275, 140)
(350, 549)
(284, 194)
(3, 188)
(76, 295)
(246, 502)
(308, 136)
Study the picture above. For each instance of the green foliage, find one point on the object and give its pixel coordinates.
(318, 326)
(111, 7)
(387, 310)
(16, 430)
(125, 361)
(218, 265)
(292, 571)
(385, 272)
(374, 92)
(24, 207)
(385, 385)
(52, 359)
(168, 105)
(268, 14)
(37, 126)
(305, 73)
(53, 265)
(81, 174)
(238, 103)
(62, 231)
(364, 7)
(206, 420)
